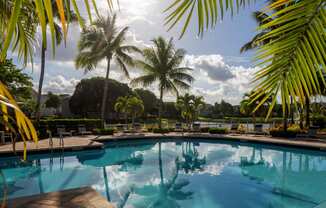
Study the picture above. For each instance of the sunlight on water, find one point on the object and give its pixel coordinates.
(178, 174)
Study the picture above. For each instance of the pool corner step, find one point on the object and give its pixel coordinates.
(79, 197)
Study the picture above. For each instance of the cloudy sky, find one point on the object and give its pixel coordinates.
(221, 72)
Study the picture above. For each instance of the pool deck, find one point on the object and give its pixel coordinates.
(80, 197)
(77, 143)
(70, 144)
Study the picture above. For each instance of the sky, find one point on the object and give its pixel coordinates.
(220, 71)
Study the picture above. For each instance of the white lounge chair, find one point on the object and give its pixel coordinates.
(61, 131)
(4, 136)
(83, 131)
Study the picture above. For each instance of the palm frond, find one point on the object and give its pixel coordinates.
(208, 12)
(296, 57)
(145, 80)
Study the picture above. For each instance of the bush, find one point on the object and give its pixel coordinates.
(217, 130)
(70, 124)
(161, 131)
(319, 121)
(204, 130)
(291, 132)
(107, 131)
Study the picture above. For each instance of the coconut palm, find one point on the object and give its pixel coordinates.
(58, 39)
(296, 52)
(161, 65)
(104, 41)
(135, 107)
(121, 106)
(189, 106)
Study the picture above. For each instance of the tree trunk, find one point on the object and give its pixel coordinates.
(40, 85)
(307, 112)
(285, 119)
(160, 109)
(160, 162)
(126, 120)
(105, 92)
(292, 111)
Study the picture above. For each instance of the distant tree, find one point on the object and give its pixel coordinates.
(88, 95)
(53, 101)
(135, 107)
(169, 110)
(161, 65)
(121, 106)
(103, 40)
(149, 99)
(189, 105)
(18, 83)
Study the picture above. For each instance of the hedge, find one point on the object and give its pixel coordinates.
(217, 130)
(70, 124)
(161, 131)
(107, 131)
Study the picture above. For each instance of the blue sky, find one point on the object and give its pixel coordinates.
(221, 72)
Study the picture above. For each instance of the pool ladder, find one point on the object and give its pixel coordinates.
(61, 142)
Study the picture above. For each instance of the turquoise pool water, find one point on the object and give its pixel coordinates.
(178, 173)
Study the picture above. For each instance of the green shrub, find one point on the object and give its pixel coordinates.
(204, 130)
(161, 131)
(319, 120)
(107, 131)
(70, 124)
(217, 130)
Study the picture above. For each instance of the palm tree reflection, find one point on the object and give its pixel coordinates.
(192, 162)
(168, 192)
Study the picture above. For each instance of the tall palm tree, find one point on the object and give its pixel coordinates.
(104, 41)
(161, 65)
(58, 38)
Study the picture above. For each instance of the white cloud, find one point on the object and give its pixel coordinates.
(60, 85)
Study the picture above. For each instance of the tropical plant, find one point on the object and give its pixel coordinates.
(189, 106)
(161, 65)
(135, 107)
(247, 106)
(121, 105)
(102, 40)
(19, 123)
(291, 61)
(58, 39)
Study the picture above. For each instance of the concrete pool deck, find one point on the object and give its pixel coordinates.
(76, 143)
(81, 197)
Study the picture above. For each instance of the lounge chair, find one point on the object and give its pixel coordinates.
(178, 127)
(234, 128)
(61, 131)
(83, 131)
(4, 136)
(258, 130)
(312, 133)
(196, 127)
(137, 127)
(120, 127)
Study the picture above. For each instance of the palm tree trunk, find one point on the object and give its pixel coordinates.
(292, 111)
(160, 161)
(307, 112)
(160, 109)
(106, 183)
(105, 92)
(40, 85)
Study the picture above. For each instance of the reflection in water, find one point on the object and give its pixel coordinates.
(167, 174)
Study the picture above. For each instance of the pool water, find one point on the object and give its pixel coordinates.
(177, 173)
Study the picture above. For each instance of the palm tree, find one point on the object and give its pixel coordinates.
(58, 37)
(121, 106)
(135, 107)
(189, 106)
(104, 41)
(161, 65)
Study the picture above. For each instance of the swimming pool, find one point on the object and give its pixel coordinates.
(178, 173)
